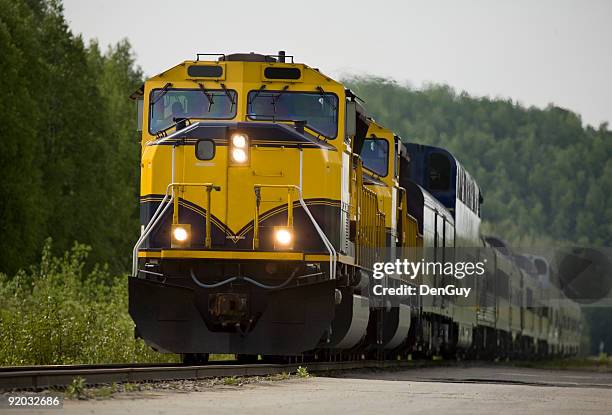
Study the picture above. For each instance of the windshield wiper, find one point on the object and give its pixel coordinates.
(273, 97)
(326, 97)
(276, 96)
(257, 93)
(250, 101)
(229, 96)
(208, 96)
(161, 93)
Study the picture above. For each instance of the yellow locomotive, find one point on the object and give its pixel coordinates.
(256, 214)
(267, 194)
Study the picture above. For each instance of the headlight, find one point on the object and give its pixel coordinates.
(180, 235)
(239, 155)
(239, 148)
(283, 236)
(239, 140)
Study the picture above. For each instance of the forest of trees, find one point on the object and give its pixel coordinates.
(69, 162)
(70, 153)
(545, 178)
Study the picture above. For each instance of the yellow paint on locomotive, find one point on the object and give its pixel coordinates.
(389, 182)
(234, 205)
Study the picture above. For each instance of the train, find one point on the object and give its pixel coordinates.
(268, 195)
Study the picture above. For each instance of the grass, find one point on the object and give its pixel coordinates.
(280, 376)
(56, 313)
(79, 390)
(231, 381)
(129, 387)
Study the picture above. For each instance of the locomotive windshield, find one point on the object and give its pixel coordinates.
(319, 110)
(375, 155)
(169, 105)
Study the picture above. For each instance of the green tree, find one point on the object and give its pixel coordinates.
(70, 155)
(22, 213)
(544, 176)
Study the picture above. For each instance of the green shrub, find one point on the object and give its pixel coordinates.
(76, 389)
(231, 381)
(55, 313)
(302, 372)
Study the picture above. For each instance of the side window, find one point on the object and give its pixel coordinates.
(503, 282)
(530, 299)
(460, 184)
(375, 155)
(439, 172)
(396, 156)
(205, 149)
(463, 187)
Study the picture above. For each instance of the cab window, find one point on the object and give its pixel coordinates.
(375, 155)
(169, 105)
(318, 110)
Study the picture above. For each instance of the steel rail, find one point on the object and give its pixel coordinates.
(33, 377)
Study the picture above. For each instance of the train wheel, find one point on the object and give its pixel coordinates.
(194, 359)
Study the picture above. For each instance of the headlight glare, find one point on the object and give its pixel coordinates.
(239, 155)
(283, 236)
(239, 140)
(180, 234)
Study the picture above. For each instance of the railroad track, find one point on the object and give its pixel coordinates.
(41, 377)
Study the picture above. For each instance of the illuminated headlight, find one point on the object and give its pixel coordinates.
(239, 140)
(180, 235)
(283, 238)
(239, 155)
(239, 148)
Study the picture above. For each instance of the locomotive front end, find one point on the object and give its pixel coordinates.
(240, 207)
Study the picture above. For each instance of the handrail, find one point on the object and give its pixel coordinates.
(159, 212)
(209, 187)
(328, 245)
(147, 230)
(257, 188)
(332, 251)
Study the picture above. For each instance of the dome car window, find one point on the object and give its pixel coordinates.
(439, 172)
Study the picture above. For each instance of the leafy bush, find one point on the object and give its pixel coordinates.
(56, 313)
(76, 389)
(231, 381)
